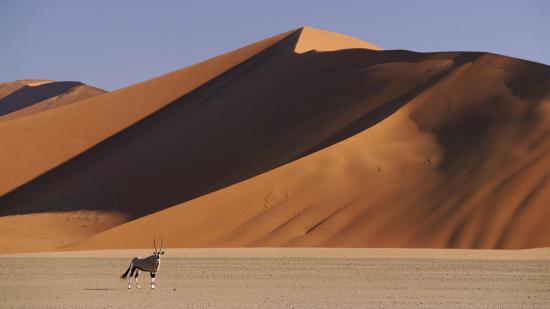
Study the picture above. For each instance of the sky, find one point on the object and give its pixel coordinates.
(113, 44)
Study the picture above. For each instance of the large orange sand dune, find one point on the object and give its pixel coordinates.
(314, 139)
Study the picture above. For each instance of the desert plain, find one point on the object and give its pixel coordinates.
(282, 278)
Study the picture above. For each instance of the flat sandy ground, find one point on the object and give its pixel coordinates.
(285, 278)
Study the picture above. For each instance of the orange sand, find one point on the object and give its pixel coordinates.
(21, 98)
(308, 139)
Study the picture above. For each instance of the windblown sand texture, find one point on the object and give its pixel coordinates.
(305, 139)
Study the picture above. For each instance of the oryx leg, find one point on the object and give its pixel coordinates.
(136, 278)
(130, 276)
(153, 280)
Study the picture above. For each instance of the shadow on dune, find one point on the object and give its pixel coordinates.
(30, 95)
(274, 108)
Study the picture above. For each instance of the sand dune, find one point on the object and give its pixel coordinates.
(21, 98)
(390, 186)
(194, 128)
(306, 139)
(60, 134)
(44, 231)
(10, 87)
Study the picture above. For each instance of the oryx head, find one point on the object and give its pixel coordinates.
(158, 253)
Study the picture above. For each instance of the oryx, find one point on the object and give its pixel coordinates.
(150, 264)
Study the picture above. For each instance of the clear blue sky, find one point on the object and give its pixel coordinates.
(112, 44)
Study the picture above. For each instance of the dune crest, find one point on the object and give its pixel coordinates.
(322, 40)
(10, 87)
(39, 83)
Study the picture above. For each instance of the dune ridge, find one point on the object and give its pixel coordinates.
(62, 133)
(307, 144)
(9, 87)
(22, 98)
(193, 167)
(312, 39)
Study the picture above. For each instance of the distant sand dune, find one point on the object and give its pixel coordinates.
(39, 83)
(10, 87)
(307, 139)
(41, 95)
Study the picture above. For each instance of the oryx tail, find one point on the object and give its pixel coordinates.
(126, 272)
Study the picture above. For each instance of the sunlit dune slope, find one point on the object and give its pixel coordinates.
(464, 164)
(46, 231)
(322, 40)
(62, 133)
(249, 120)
